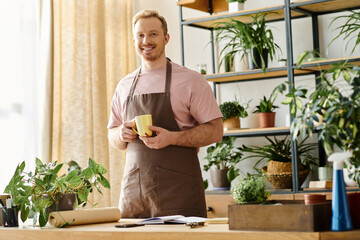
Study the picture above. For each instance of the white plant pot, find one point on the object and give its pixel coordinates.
(348, 181)
(236, 6)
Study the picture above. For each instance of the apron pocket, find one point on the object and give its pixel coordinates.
(131, 204)
(176, 190)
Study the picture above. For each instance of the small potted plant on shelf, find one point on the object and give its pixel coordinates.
(222, 159)
(236, 5)
(241, 37)
(251, 189)
(309, 56)
(266, 107)
(38, 193)
(332, 110)
(231, 112)
(277, 155)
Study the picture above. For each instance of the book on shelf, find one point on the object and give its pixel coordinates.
(320, 184)
(174, 219)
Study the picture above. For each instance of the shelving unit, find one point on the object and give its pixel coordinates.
(286, 13)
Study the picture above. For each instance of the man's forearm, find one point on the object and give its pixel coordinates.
(201, 135)
(115, 140)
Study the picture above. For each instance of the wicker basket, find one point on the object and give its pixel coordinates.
(284, 180)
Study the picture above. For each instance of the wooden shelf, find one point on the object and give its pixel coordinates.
(275, 13)
(326, 64)
(253, 74)
(325, 6)
(254, 132)
(203, 5)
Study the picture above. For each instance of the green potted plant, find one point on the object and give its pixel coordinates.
(277, 155)
(266, 107)
(349, 30)
(231, 112)
(309, 56)
(37, 193)
(241, 37)
(332, 110)
(251, 189)
(236, 5)
(222, 159)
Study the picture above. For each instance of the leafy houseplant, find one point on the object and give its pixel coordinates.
(305, 57)
(250, 189)
(350, 29)
(224, 156)
(231, 110)
(239, 37)
(37, 191)
(277, 155)
(266, 108)
(337, 102)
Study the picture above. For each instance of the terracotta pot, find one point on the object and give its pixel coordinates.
(231, 123)
(314, 198)
(219, 179)
(266, 120)
(354, 207)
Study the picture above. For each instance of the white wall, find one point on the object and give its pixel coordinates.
(197, 50)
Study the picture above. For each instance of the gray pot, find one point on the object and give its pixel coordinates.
(219, 179)
(67, 202)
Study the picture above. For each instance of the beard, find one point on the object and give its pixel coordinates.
(153, 56)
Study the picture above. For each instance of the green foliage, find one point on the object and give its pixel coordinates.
(305, 57)
(36, 191)
(250, 189)
(239, 36)
(338, 105)
(280, 150)
(349, 30)
(233, 109)
(267, 105)
(224, 156)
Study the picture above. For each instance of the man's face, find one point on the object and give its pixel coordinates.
(149, 39)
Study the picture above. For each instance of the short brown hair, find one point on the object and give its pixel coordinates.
(147, 13)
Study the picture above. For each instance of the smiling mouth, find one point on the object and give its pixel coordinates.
(147, 49)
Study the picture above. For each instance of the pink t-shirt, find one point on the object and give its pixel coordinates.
(192, 99)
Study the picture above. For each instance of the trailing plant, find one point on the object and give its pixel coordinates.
(224, 156)
(36, 191)
(349, 30)
(250, 189)
(239, 36)
(280, 150)
(233, 109)
(336, 101)
(267, 105)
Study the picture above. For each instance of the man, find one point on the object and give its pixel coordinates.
(162, 173)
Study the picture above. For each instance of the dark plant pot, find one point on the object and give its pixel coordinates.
(219, 179)
(256, 62)
(266, 120)
(354, 207)
(66, 203)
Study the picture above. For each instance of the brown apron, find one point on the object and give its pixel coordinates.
(159, 182)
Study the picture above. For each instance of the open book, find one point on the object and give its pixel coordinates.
(179, 219)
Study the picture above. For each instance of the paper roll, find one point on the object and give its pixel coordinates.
(85, 216)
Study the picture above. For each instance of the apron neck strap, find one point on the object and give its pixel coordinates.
(168, 78)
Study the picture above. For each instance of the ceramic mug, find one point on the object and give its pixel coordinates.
(141, 125)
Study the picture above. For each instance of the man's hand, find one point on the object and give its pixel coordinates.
(163, 138)
(127, 134)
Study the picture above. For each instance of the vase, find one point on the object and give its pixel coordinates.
(255, 60)
(266, 119)
(219, 179)
(236, 6)
(231, 123)
(66, 203)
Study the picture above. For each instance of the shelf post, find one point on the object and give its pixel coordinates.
(181, 37)
(290, 70)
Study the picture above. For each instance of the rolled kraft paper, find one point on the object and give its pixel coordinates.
(85, 216)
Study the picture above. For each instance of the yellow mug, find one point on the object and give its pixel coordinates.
(142, 122)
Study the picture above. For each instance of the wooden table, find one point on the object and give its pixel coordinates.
(107, 231)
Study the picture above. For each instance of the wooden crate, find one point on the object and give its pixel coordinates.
(290, 216)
